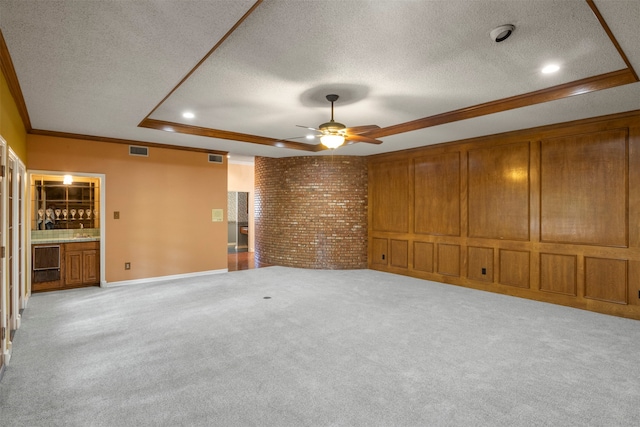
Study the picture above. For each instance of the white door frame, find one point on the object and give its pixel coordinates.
(18, 280)
(5, 346)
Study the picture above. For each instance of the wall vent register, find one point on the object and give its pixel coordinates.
(216, 158)
(135, 150)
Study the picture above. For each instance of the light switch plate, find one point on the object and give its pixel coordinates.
(217, 215)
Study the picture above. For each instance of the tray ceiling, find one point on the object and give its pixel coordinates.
(251, 71)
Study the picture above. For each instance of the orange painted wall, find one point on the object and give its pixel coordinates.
(241, 177)
(165, 202)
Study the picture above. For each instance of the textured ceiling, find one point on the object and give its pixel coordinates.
(101, 67)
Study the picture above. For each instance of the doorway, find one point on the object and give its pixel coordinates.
(238, 221)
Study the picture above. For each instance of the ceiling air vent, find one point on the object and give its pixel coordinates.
(216, 158)
(135, 150)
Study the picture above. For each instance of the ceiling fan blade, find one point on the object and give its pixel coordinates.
(307, 127)
(359, 138)
(291, 139)
(361, 129)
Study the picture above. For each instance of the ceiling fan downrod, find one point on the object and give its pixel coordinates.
(332, 98)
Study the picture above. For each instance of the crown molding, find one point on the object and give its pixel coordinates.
(122, 141)
(9, 72)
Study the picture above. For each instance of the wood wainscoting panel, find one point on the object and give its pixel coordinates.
(423, 256)
(584, 183)
(550, 213)
(480, 264)
(606, 280)
(514, 268)
(437, 194)
(389, 192)
(399, 253)
(498, 187)
(379, 251)
(449, 259)
(558, 273)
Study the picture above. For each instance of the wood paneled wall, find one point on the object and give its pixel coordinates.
(551, 214)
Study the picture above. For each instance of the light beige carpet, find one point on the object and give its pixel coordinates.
(328, 348)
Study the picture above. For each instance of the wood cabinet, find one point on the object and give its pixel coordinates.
(79, 266)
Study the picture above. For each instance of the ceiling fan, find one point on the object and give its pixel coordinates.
(333, 134)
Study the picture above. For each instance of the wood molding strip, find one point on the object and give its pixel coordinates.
(213, 49)
(544, 131)
(9, 72)
(578, 87)
(224, 134)
(613, 39)
(122, 141)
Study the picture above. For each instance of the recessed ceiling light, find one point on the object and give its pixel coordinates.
(188, 115)
(551, 68)
(310, 136)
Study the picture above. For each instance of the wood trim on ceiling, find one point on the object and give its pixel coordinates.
(9, 72)
(613, 39)
(122, 141)
(224, 134)
(578, 87)
(213, 49)
(610, 121)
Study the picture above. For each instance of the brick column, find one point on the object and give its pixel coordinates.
(311, 212)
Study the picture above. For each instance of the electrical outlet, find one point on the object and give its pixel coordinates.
(484, 271)
(116, 215)
(127, 266)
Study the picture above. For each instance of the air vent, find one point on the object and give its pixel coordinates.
(216, 158)
(135, 150)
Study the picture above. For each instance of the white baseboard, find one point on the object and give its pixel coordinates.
(161, 278)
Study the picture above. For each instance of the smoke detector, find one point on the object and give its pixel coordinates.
(501, 33)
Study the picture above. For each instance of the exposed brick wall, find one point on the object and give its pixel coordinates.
(311, 212)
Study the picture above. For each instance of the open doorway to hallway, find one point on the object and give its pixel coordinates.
(238, 221)
(240, 213)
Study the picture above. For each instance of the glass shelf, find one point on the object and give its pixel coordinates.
(64, 206)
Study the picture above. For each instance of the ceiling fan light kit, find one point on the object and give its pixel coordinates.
(334, 134)
(332, 141)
